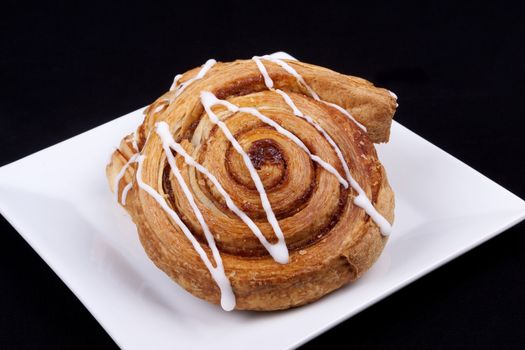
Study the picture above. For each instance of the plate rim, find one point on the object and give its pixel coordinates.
(517, 215)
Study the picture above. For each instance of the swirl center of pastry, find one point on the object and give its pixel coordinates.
(265, 152)
(267, 156)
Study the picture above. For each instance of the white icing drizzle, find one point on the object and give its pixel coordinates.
(217, 272)
(161, 106)
(278, 250)
(328, 138)
(269, 84)
(267, 79)
(282, 56)
(293, 72)
(208, 100)
(175, 81)
(158, 109)
(205, 68)
(125, 192)
(134, 142)
(121, 174)
(211, 98)
(361, 200)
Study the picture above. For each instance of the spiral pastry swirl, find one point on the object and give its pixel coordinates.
(256, 184)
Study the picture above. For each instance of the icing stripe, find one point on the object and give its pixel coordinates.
(269, 84)
(125, 192)
(217, 272)
(161, 106)
(361, 200)
(253, 111)
(208, 100)
(175, 81)
(293, 72)
(134, 142)
(205, 68)
(267, 79)
(278, 250)
(308, 119)
(120, 175)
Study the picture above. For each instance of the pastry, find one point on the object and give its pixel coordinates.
(255, 184)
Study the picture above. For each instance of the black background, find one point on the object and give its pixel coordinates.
(458, 70)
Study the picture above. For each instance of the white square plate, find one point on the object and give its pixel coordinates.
(59, 201)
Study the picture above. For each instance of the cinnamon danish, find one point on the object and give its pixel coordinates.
(255, 183)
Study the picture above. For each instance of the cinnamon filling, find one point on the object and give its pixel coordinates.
(265, 152)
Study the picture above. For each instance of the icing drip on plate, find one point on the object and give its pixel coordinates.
(280, 55)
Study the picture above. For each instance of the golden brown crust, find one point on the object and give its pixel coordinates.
(331, 240)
